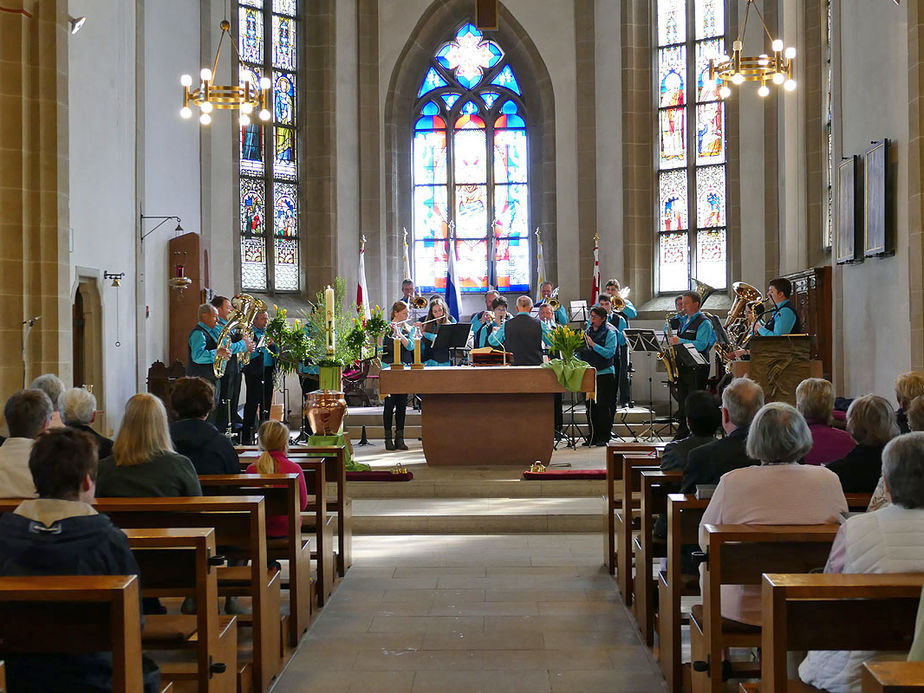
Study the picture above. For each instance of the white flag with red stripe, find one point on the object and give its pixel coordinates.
(362, 291)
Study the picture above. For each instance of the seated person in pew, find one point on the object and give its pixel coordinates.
(915, 414)
(28, 414)
(274, 439)
(59, 533)
(871, 422)
(779, 491)
(815, 401)
(143, 463)
(889, 540)
(741, 400)
(703, 419)
(52, 386)
(77, 407)
(193, 436)
(908, 386)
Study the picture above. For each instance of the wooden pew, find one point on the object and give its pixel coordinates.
(183, 563)
(629, 487)
(739, 555)
(239, 521)
(655, 487)
(610, 501)
(281, 494)
(340, 504)
(891, 677)
(684, 513)
(834, 612)
(75, 614)
(2, 677)
(858, 502)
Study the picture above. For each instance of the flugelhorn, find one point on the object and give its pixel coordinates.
(619, 300)
(554, 303)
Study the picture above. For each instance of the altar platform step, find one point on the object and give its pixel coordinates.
(476, 516)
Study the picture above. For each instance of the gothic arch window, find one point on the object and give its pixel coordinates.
(690, 161)
(268, 34)
(470, 169)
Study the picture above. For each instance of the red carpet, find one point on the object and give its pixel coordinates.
(569, 474)
(378, 476)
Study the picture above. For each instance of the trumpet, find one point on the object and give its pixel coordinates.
(619, 300)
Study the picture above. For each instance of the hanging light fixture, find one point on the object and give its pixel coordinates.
(246, 96)
(764, 68)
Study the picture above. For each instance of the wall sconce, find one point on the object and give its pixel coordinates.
(76, 23)
(116, 278)
(165, 219)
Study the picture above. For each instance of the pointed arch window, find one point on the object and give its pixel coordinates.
(470, 169)
(692, 181)
(268, 34)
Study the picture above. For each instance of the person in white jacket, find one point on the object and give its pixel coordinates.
(889, 540)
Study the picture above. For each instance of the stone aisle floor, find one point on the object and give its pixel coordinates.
(464, 613)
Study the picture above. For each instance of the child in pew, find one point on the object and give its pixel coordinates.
(889, 540)
(274, 439)
(59, 533)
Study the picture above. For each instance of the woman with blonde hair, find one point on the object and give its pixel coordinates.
(907, 386)
(870, 422)
(436, 316)
(143, 461)
(274, 440)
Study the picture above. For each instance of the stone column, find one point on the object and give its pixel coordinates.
(915, 180)
(34, 190)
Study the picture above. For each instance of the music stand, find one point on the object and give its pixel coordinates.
(452, 336)
(646, 342)
(579, 312)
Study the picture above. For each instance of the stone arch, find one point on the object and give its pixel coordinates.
(539, 100)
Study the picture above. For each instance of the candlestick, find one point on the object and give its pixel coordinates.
(329, 320)
(396, 350)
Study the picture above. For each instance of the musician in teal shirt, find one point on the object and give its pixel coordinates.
(545, 296)
(784, 319)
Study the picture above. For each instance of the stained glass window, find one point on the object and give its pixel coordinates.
(268, 182)
(470, 169)
(691, 149)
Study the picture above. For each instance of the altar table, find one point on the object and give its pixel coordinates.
(475, 415)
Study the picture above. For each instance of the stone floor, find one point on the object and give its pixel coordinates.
(518, 612)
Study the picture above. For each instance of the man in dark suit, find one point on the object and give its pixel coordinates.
(741, 401)
(703, 417)
(521, 335)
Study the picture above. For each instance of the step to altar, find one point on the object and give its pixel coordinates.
(475, 515)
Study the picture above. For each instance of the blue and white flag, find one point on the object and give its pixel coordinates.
(453, 297)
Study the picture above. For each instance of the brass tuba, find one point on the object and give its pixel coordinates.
(244, 309)
(703, 289)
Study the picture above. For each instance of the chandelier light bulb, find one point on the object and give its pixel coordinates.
(790, 53)
(264, 83)
(789, 85)
(244, 120)
(264, 114)
(724, 92)
(205, 74)
(205, 119)
(777, 46)
(737, 79)
(206, 107)
(186, 112)
(186, 80)
(763, 90)
(778, 77)
(247, 108)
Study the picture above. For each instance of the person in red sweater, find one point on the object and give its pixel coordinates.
(274, 439)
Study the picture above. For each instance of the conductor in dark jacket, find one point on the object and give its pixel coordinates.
(741, 401)
(521, 335)
(193, 436)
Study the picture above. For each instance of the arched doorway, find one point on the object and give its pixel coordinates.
(88, 342)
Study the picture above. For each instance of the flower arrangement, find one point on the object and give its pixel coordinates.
(288, 342)
(566, 341)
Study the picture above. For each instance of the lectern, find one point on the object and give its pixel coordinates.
(779, 364)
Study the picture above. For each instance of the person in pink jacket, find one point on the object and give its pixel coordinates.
(815, 401)
(274, 439)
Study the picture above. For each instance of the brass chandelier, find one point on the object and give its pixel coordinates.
(245, 96)
(764, 68)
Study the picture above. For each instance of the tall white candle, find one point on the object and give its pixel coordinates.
(329, 319)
